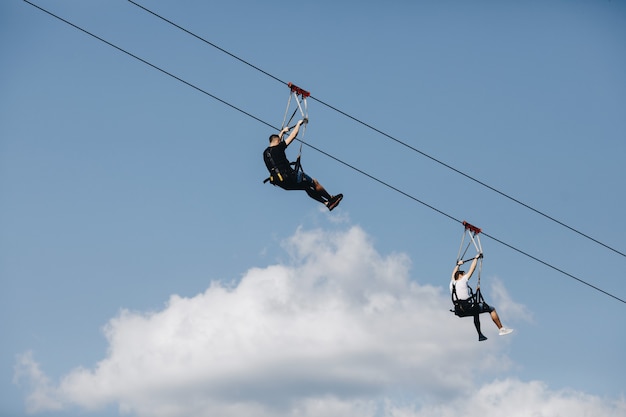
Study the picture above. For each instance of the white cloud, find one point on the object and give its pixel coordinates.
(339, 330)
(42, 395)
(505, 305)
(513, 398)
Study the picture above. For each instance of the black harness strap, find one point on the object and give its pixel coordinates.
(469, 307)
(472, 305)
(300, 95)
(275, 174)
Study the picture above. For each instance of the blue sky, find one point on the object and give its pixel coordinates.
(145, 269)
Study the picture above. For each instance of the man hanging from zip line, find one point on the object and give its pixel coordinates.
(285, 176)
(460, 287)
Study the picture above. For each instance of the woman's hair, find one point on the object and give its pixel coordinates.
(457, 273)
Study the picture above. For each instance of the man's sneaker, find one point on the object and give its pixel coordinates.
(504, 330)
(482, 338)
(334, 201)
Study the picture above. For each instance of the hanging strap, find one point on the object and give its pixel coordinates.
(299, 96)
(463, 308)
(285, 121)
(472, 234)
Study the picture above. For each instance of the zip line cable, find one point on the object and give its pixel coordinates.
(438, 161)
(149, 64)
(325, 153)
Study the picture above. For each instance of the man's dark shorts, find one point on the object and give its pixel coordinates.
(468, 309)
(300, 181)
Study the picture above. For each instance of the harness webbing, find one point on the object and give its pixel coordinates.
(275, 174)
(472, 234)
(469, 307)
(298, 95)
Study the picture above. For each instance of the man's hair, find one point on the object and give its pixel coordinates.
(274, 136)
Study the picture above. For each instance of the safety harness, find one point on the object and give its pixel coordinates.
(276, 177)
(297, 100)
(472, 305)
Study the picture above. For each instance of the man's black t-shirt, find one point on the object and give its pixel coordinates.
(275, 158)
